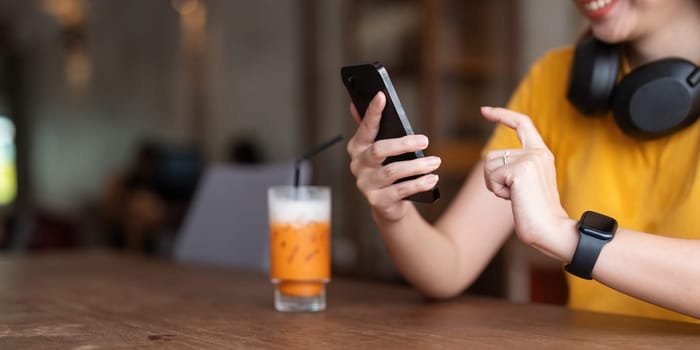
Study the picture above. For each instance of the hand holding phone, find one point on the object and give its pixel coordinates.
(363, 82)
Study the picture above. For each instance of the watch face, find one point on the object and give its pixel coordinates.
(597, 225)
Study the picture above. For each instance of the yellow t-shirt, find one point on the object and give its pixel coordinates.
(649, 186)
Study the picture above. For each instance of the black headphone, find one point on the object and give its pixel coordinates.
(652, 101)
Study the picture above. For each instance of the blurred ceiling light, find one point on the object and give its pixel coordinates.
(67, 12)
(71, 14)
(196, 21)
(185, 7)
(193, 19)
(78, 70)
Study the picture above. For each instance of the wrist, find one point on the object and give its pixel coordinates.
(569, 240)
(392, 215)
(561, 240)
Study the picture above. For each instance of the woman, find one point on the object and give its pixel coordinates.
(651, 266)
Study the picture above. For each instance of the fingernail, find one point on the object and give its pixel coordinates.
(434, 161)
(431, 179)
(486, 108)
(421, 141)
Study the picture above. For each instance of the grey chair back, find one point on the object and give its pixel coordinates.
(227, 223)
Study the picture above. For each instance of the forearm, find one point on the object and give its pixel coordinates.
(660, 270)
(426, 257)
(443, 259)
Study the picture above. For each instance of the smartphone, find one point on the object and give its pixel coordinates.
(363, 82)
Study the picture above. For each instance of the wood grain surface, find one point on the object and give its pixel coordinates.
(100, 300)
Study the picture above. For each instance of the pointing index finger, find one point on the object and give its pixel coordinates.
(522, 124)
(369, 126)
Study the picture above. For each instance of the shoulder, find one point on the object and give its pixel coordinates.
(545, 84)
(555, 63)
(542, 95)
(562, 54)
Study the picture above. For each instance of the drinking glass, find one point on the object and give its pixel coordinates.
(300, 233)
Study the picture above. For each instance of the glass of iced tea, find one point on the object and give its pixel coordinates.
(300, 230)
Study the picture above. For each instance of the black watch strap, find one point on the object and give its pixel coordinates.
(585, 256)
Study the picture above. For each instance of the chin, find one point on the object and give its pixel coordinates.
(610, 35)
(605, 36)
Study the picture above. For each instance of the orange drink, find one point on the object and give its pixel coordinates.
(299, 246)
(300, 256)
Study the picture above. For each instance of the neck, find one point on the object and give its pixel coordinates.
(677, 39)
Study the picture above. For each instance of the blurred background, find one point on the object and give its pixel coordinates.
(111, 111)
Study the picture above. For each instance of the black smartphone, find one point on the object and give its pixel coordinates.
(363, 82)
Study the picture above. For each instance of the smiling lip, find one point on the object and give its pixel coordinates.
(595, 9)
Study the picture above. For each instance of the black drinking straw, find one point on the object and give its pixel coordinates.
(312, 152)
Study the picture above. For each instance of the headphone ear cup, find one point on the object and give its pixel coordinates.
(656, 99)
(593, 75)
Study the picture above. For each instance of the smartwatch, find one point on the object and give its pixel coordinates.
(595, 230)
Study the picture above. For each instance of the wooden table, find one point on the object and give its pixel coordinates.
(101, 300)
